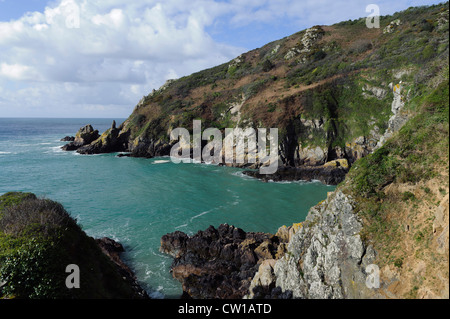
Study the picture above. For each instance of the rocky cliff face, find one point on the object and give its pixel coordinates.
(325, 258)
(334, 92)
(218, 263)
(85, 136)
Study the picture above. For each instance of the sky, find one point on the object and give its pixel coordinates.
(98, 58)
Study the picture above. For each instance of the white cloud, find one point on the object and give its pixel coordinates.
(99, 57)
(111, 54)
(18, 72)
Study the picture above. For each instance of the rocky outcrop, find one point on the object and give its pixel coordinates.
(113, 249)
(113, 140)
(325, 259)
(328, 174)
(84, 136)
(68, 139)
(218, 263)
(399, 117)
(306, 43)
(143, 147)
(392, 26)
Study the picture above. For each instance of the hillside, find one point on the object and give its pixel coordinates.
(377, 98)
(39, 239)
(332, 91)
(391, 211)
(386, 110)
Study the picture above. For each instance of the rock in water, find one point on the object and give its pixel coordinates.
(68, 139)
(86, 135)
(330, 175)
(113, 140)
(113, 249)
(218, 263)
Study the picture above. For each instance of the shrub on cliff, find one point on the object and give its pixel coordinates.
(38, 240)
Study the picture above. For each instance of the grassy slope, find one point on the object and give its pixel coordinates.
(327, 84)
(399, 190)
(38, 239)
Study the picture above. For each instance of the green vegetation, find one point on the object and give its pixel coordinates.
(411, 156)
(340, 68)
(38, 239)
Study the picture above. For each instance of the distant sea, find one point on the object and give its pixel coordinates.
(136, 201)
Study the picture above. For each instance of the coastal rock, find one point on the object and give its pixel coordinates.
(312, 156)
(143, 147)
(113, 140)
(113, 249)
(84, 136)
(218, 263)
(337, 163)
(325, 259)
(373, 91)
(68, 139)
(330, 175)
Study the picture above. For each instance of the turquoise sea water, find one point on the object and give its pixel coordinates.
(136, 201)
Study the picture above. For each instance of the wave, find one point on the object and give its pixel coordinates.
(160, 162)
(201, 214)
(243, 176)
(5, 153)
(55, 150)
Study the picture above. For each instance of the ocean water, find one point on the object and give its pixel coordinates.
(135, 200)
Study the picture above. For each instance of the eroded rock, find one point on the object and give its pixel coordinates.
(84, 136)
(218, 263)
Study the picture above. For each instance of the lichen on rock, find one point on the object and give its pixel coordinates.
(325, 258)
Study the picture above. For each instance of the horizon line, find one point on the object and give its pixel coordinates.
(45, 117)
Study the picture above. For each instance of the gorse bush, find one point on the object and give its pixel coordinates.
(34, 216)
(38, 239)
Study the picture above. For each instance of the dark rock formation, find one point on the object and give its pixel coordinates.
(149, 148)
(218, 263)
(68, 139)
(113, 249)
(84, 136)
(113, 140)
(327, 175)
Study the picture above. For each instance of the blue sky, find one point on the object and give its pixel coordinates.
(15, 9)
(97, 58)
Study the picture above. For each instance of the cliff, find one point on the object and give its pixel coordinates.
(38, 240)
(384, 232)
(334, 92)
